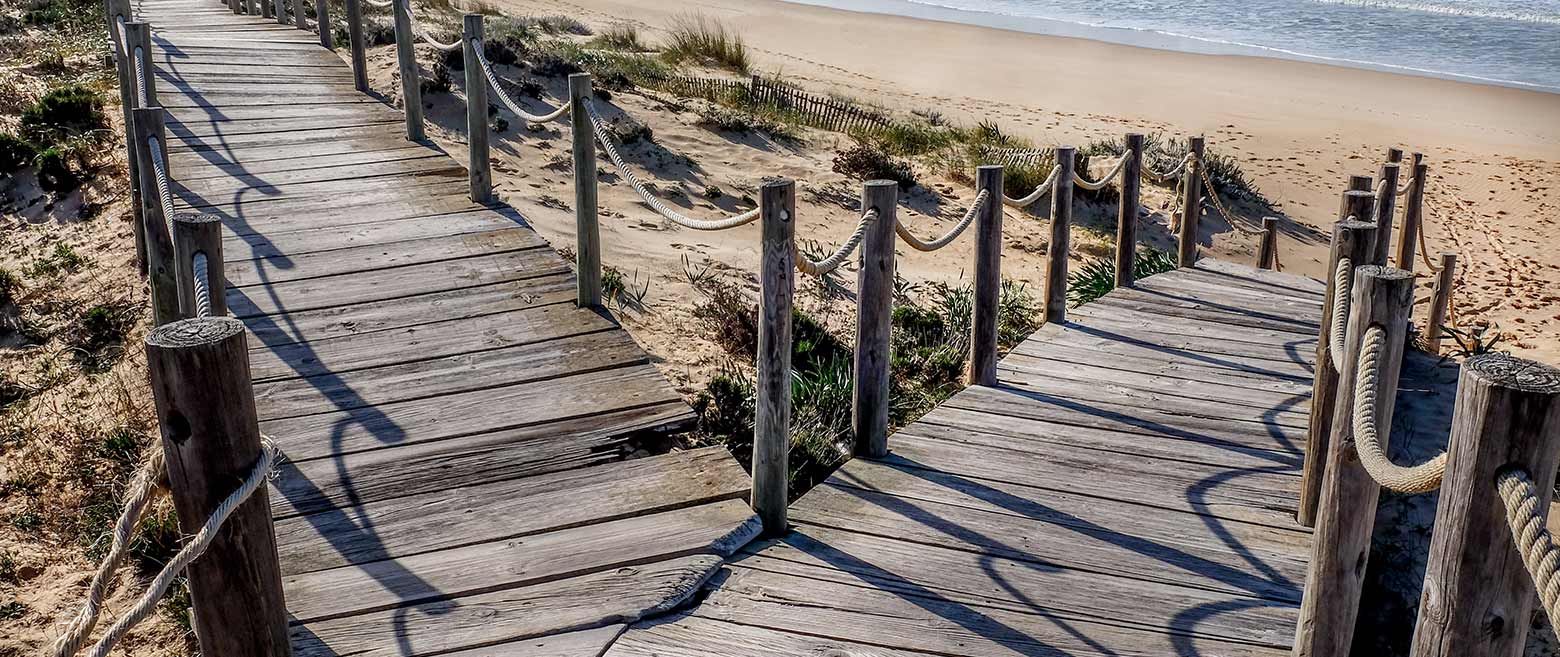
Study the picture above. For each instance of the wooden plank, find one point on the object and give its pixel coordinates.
(314, 293)
(718, 528)
(195, 168)
(371, 257)
(281, 128)
(468, 413)
(1092, 393)
(278, 219)
(276, 336)
(352, 479)
(381, 131)
(582, 643)
(617, 596)
(317, 196)
(693, 636)
(255, 212)
(285, 245)
(447, 518)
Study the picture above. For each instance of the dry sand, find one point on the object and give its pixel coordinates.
(1299, 130)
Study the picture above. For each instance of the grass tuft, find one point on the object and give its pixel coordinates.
(703, 40)
(620, 36)
(1097, 277)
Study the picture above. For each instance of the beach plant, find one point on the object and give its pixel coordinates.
(15, 152)
(699, 39)
(1480, 338)
(620, 36)
(865, 161)
(1096, 277)
(64, 112)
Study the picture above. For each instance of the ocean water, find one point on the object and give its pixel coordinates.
(1506, 42)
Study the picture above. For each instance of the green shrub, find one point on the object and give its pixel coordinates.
(620, 36)
(553, 65)
(97, 338)
(1097, 277)
(62, 114)
(557, 24)
(865, 161)
(765, 121)
(55, 173)
(15, 153)
(63, 13)
(61, 259)
(703, 40)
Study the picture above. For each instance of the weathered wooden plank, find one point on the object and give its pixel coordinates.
(582, 643)
(242, 250)
(613, 597)
(283, 128)
(402, 470)
(692, 636)
(317, 196)
(371, 257)
(256, 219)
(1085, 391)
(447, 518)
(195, 168)
(718, 528)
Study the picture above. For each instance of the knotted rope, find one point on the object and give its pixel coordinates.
(202, 284)
(953, 233)
(829, 264)
(1040, 190)
(71, 643)
(1421, 478)
(1527, 522)
(1343, 289)
(492, 78)
(656, 204)
(1121, 165)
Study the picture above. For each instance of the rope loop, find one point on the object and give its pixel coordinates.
(1040, 191)
(419, 31)
(1421, 478)
(492, 78)
(1229, 217)
(202, 281)
(953, 233)
(599, 127)
(827, 265)
(1343, 289)
(1115, 170)
(1527, 520)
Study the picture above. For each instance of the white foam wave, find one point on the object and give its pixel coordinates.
(1468, 10)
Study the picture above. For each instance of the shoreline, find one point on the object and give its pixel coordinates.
(1150, 39)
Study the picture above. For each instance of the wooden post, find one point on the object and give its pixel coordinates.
(1356, 184)
(1267, 250)
(1060, 244)
(988, 278)
(772, 425)
(587, 232)
(211, 437)
(874, 318)
(117, 10)
(198, 233)
(161, 271)
(1440, 300)
(1386, 208)
(1355, 240)
(478, 163)
(1126, 216)
(1477, 593)
(265, 8)
(322, 21)
(1347, 517)
(139, 34)
(411, 78)
(355, 42)
(1191, 207)
(1413, 215)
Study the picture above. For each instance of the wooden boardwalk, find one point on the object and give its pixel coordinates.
(1128, 488)
(456, 430)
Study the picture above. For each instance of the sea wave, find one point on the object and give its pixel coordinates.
(1461, 9)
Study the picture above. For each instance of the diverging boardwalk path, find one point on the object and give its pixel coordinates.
(456, 429)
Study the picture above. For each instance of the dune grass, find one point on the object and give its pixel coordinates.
(707, 41)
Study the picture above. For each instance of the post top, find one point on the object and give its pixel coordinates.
(1507, 371)
(778, 183)
(1356, 224)
(880, 183)
(197, 218)
(197, 332)
(1383, 272)
(1359, 193)
(989, 167)
(1271, 221)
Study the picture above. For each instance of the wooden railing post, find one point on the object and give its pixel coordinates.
(772, 424)
(1356, 184)
(211, 437)
(988, 278)
(1413, 215)
(1440, 301)
(478, 164)
(1191, 205)
(161, 271)
(1060, 244)
(1126, 216)
(194, 233)
(1477, 594)
(139, 34)
(1341, 543)
(355, 43)
(587, 233)
(322, 21)
(411, 77)
(117, 10)
(1386, 210)
(874, 319)
(1355, 240)
(1267, 249)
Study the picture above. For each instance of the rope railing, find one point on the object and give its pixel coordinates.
(142, 492)
(598, 126)
(1120, 166)
(140, 78)
(421, 32)
(201, 279)
(1528, 520)
(503, 96)
(952, 234)
(1040, 191)
(827, 265)
(1343, 284)
(1421, 478)
(160, 177)
(1218, 204)
(1170, 175)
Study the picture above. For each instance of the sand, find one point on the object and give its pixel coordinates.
(1299, 129)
